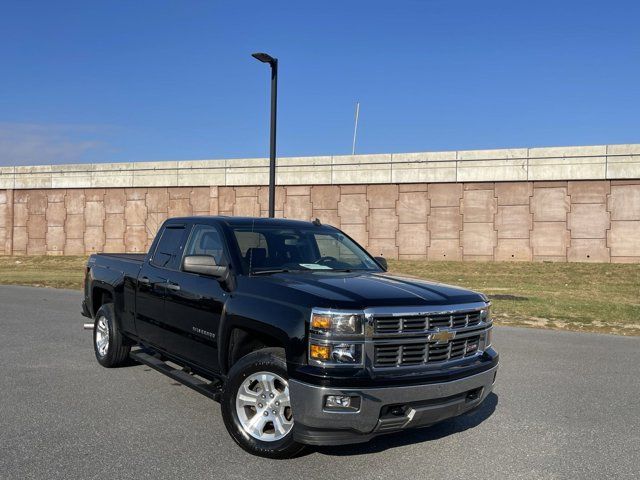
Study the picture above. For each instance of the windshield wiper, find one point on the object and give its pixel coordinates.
(269, 272)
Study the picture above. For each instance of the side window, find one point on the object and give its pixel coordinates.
(253, 248)
(247, 240)
(206, 240)
(169, 250)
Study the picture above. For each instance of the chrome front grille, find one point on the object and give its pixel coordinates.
(424, 352)
(391, 324)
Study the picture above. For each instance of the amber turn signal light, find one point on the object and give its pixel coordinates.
(321, 322)
(319, 352)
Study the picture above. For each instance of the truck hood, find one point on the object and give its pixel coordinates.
(364, 289)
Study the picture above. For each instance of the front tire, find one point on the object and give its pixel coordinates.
(256, 407)
(108, 343)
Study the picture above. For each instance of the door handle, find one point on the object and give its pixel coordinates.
(172, 286)
(145, 281)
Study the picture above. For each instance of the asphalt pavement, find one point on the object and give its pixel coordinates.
(566, 405)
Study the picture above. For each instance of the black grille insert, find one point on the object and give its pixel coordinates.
(422, 323)
(420, 353)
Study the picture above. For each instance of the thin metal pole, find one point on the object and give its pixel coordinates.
(355, 129)
(272, 142)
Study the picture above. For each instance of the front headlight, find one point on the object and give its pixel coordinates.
(338, 323)
(485, 314)
(336, 338)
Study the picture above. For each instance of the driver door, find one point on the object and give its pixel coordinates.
(194, 302)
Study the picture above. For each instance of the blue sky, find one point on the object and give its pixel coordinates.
(163, 80)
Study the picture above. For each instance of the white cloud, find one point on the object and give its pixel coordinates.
(40, 144)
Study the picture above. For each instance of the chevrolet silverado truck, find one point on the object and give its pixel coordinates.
(299, 333)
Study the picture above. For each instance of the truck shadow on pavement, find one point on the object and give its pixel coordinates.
(418, 435)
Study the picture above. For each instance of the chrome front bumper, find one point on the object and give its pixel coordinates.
(416, 406)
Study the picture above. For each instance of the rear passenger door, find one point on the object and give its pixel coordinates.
(152, 284)
(194, 302)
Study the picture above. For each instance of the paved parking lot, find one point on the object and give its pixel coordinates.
(566, 405)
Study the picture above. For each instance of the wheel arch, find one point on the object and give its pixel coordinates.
(250, 324)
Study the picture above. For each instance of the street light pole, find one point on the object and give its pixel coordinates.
(273, 62)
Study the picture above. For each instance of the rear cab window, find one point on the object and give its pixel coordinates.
(168, 252)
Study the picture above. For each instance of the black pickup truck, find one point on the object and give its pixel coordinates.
(299, 333)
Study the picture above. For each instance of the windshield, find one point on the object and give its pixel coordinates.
(270, 249)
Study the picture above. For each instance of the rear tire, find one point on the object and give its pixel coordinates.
(108, 343)
(275, 438)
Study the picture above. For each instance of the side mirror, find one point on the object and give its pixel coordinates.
(382, 262)
(204, 265)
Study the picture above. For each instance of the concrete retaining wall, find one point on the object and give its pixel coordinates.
(600, 162)
(586, 221)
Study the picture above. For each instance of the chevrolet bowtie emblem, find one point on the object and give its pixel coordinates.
(442, 336)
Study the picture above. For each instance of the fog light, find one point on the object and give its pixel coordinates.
(338, 401)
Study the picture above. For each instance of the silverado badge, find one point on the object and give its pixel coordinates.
(442, 336)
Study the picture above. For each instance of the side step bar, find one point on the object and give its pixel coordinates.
(211, 390)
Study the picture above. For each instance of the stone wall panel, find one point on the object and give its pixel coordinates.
(36, 226)
(358, 232)
(353, 208)
(592, 250)
(37, 202)
(444, 249)
(298, 206)
(56, 214)
(624, 202)
(246, 207)
(180, 207)
(200, 200)
(383, 223)
(157, 200)
(478, 239)
(135, 238)
(513, 221)
(325, 197)
(445, 194)
(226, 199)
(327, 217)
(479, 205)
(549, 239)
(94, 214)
(114, 226)
(413, 239)
(55, 240)
(93, 239)
(74, 201)
(589, 192)
(413, 207)
(75, 246)
(445, 222)
(510, 193)
(382, 196)
(513, 250)
(383, 247)
(115, 200)
(20, 215)
(588, 220)
(623, 239)
(74, 226)
(550, 204)
(20, 239)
